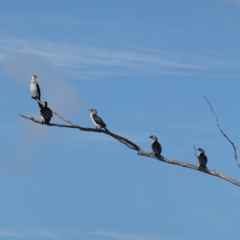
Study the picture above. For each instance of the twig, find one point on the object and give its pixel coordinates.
(234, 148)
(195, 152)
(57, 114)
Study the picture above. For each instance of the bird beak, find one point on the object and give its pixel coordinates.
(90, 110)
(150, 137)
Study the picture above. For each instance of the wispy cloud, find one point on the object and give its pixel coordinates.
(39, 233)
(65, 55)
(122, 236)
(67, 234)
(235, 2)
(86, 62)
(10, 233)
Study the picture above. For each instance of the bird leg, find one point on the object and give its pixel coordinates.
(202, 168)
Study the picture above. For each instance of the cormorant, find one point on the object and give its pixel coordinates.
(156, 146)
(96, 119)
(35, 89)
(202, 159)
(46, 113)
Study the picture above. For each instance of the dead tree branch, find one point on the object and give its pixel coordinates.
(117, 137)
(121, 139)
(135, 147)
(234, 148)
(49, 124)
(195, 152)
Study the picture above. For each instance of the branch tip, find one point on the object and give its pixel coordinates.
(218, 126)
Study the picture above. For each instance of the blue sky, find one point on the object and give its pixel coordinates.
(144, 66)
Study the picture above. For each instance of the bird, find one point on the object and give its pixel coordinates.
(156, 146)
(35, 89)
(46, 113)
(202, 159)
(96, 119)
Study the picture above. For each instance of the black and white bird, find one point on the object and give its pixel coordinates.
(35, 89)
(202, 159)
(156, 146)
(98, 122)
(46, 113)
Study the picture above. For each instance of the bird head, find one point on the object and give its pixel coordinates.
(94, 111)
(153, 137)
(34, 77)
(45, 104)
(201, 150)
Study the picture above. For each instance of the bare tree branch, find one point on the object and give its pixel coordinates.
(135, 147)
(195, 152)
(49, 124)
(234, 148)
(117, 137)
(121, 139)
(191, 166)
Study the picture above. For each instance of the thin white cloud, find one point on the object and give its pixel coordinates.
(10, 233)
(23, 234)
(235, 2)
(84, 62)
(123, 236)
(67, 234)
(64, 55)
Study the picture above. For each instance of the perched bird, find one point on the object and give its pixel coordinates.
(156, 147)
(96, 119)
(202, 159)
(46, 113)
(35, 89)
